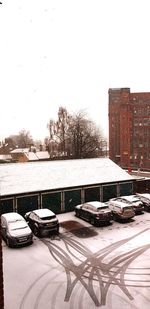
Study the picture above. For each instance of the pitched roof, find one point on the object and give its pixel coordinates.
(42, 155)
(31, 155)
(20, 150)
(47, 175)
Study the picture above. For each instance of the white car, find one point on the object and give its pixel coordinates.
(121, 210)
(145, 199)
(133, 200)
(15, 230)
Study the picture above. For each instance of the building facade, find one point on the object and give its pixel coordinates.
(129, 128)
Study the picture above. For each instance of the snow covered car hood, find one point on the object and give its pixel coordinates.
(19, 228)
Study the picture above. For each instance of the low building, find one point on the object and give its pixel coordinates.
(25, 155)
(5, 158)
(60, 185)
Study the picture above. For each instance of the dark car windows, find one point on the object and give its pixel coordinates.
(33, 216)
(48, 218)
(101, 208)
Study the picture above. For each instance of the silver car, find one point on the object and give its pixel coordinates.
(15, 230)
(145, 199)
(133, 200)
(121, 210)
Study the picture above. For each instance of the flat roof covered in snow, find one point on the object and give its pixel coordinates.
(49, 175)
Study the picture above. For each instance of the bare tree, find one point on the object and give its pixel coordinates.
(58, 133)
(84, 136)
(21, 140)
(74, 136)
(24, 139)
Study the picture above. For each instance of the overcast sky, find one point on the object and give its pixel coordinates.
(69, 53)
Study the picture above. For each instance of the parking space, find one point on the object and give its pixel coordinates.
(105, 267)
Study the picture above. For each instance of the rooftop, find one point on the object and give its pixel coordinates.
(47, 175)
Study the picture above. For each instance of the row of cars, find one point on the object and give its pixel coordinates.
(16, 230)
(119, 208)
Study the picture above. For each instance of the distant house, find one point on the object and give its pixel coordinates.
(25, 155)
(42, 155)
(5, 158)
(20, 155)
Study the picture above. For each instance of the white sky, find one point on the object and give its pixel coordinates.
(69, 53)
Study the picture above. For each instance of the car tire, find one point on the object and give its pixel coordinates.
(36, 231)
(77, 214)
(92, 221)
(8, 242)
(146, 208)
(115, 217)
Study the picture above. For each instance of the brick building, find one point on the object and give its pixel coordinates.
(129, 128)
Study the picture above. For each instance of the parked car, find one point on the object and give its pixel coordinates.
(95, 212)
(121, 210)
(42, 221)
(145, 199)
(133, 200)
(15, 230)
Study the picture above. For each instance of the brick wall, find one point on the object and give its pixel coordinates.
(129, 128)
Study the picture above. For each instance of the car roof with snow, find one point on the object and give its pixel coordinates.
(12, 216)
(147, 195)
(119, 203)
(130, 198)
(96, 204)
(43, 212)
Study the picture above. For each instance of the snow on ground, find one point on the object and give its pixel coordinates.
(85, 266)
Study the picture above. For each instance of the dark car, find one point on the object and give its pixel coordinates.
(15, 230)
(145, 199)
(42, 221)
(95, 212)
(132, 200)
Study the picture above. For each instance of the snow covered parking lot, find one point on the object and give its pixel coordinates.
(105, 267)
